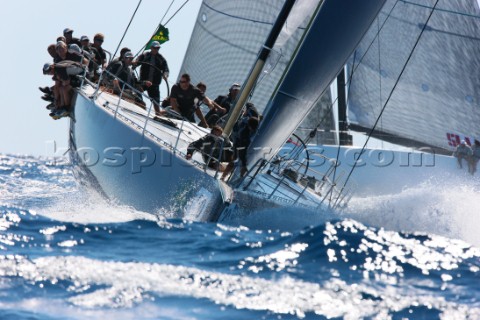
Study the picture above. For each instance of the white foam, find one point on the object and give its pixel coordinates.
(54, 189)
(450, 209)
(83, 206)
(196, 208)
(21, 184)
(55, 307)
(127, 284)
(92, 213)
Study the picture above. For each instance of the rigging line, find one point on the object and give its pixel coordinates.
(168, 9)
(329, 109)
(339, 133)
(265, 74)
(349, 79)
(372, 42)
(442, 10)
(145, 45)
(128, 26)
(335, 168)
(312, 134)
(346, 83)
(338, 154)
(354, 68)
(388, 99)
(237, 17)
(379, 74)
(389, 16)
(181, 7)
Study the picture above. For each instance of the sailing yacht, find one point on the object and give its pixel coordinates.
(408, 86)
(135, 158)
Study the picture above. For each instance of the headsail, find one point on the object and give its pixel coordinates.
(227, 37)
(334, 33)
(436, 100)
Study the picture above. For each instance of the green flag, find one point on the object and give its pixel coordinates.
(161, 35)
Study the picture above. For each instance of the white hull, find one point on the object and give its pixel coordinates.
(379, 172)
(138, 162)
(382, 171)
(132, 167)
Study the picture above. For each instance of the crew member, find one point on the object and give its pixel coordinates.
(225, 104)
(241, 144)
(215, 148)
(463, 151)
(63, 73)
(153, 67)
(185, 99)
(121, 73)
(475, 157)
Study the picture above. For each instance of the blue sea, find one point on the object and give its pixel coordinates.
(65, 253)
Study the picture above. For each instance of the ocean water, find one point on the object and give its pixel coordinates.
(67, 254)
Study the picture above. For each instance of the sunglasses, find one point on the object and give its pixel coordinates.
(99, 40)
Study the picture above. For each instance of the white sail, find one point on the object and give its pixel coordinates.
(334, 33)
(228, 36)
(436, 100)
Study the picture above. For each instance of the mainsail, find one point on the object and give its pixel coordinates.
(436, 100)
(333, 35)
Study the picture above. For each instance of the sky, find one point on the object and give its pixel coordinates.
(28, 27)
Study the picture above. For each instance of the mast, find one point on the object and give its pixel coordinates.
(344, 138)
(257, 69)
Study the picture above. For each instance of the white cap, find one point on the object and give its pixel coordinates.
(235, 86)
(74, 49)
(128, 54)
(46, 67)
